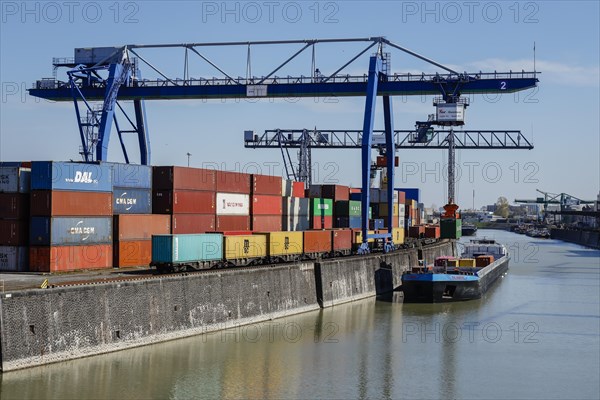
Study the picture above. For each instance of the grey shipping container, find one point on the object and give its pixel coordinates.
(15, 179)
(295, 222)
(48, 231)
(131, 175)
(132, 201)
(14, 258)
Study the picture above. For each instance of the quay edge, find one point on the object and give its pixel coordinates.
(43, 326)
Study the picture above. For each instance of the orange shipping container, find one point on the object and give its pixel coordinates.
(341, 239)
(192, 223)
(297, 189)
(266, 223)
(132, 253)
(266, 205)
(69, 258)
(317, 241)
(266, 185)
(140, 226)
(70, 203)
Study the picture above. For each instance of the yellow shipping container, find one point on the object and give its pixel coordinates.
(466, 262)
(245, 246)
(453, 263)
(398, 235)
(284, 243)
(357, 239)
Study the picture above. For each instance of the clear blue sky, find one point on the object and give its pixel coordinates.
(562, 116)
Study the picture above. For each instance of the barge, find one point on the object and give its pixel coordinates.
(482, 262)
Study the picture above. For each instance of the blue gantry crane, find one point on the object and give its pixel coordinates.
(109, 75)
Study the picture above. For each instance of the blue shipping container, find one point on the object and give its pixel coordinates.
(376, 224)
(49, 175)
(57, 231)
(132, 201)
(348, 222)
(131, 175)
(356, 196)
(185, 248)
(411, 193)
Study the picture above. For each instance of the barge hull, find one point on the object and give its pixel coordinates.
(437, 288)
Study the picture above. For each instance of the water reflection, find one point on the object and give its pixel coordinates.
(375, 348)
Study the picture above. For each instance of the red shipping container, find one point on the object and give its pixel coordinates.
(140, 226)
(335, 192)
(401, 197)
(192, 223)
(183, 202)
(266, 205)
(341, 239)
(267, 223)
(232, 223)
(234, 182)
(236, 233)
(321, 222)
(182, 178)
(14, 232)
(69, 258)
(265, 184)
(70, 203)
(298, 189)
(14, 205)
(317, 241)
(432, 232)
(355, 190)
(132, 253)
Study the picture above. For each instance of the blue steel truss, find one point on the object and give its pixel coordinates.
(124, 83)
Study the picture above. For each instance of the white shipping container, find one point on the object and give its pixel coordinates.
(295, 206)
(450, 112)
(401, 209)
(295, 223)
(233, 204)
(15, 179)
(15, 259)
(287, 187)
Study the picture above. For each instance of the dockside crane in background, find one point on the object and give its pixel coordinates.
(564, 200)
(111, 75)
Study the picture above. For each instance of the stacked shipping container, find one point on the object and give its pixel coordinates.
(71, 216)
(133, 221)
(295, 208)
(232, 201)
(14, 218)
(188, 195)
(267, 207)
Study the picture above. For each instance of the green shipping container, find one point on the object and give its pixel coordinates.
(350, 208)
(185, 248)
(321, 207)
(451, 228)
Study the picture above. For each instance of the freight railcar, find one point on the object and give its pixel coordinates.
(180, 252)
